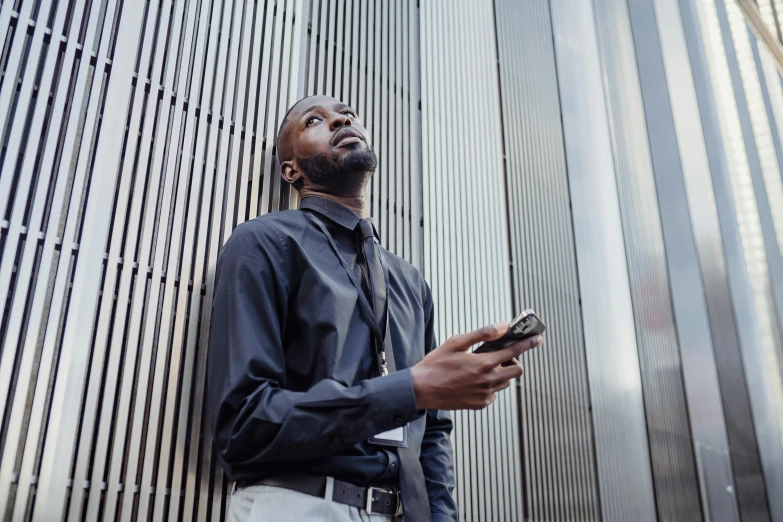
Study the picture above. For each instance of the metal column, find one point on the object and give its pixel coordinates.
(621, 444)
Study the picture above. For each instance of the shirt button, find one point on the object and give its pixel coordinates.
(399, 421)
(393, 468)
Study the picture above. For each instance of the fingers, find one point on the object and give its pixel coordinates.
(511, 362)
(506, 373)
(501, 387)
(464, 341)
(499, 380)
(512, 351)
(502, 383)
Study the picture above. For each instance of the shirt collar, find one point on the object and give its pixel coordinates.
(338, 213)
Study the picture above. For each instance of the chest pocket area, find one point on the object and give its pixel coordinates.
(328, 336)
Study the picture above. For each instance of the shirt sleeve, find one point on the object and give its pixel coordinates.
(253, 417)
(437, 456)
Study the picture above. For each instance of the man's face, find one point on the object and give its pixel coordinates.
(324, 142)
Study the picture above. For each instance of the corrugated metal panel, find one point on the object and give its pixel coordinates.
(771, 384)
(90, 69)
(746, 168)
(770, 85)
(622, 452)
(555, 426)
(466, 253)
(703, 316)
(769, 155)
(136, 135)
(150, 151)
(770, 12)
(671, 446)
(743, 282)
(768, 15)
(366, 54)
(768, 147)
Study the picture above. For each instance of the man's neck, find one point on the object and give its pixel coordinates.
(355, 203)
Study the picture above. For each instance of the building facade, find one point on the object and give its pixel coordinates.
(613, 164)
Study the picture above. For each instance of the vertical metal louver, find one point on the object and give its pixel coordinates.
(136, 136)
(611, 350)
(466, 253)
(555, 425)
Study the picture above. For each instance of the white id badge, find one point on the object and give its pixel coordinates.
(397, 438)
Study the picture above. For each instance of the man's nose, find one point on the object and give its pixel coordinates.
(341, 120)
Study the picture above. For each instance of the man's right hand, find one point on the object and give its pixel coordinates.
(452, 378)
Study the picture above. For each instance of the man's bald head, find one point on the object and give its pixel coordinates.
(321, 142)
(283, 151)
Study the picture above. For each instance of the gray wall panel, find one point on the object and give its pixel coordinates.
(770, 11)
(622, 451)
(762, 153)
(98, 87)
(153, 149)
(742, 277)
(668, 425)
(692, 238)
(466, 252)
(137, 134)
(555, 425)
(721, 80)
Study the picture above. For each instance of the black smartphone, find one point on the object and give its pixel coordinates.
(527, 324)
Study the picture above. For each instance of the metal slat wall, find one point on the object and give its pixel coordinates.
(466, 252)
(771, 14)
(366, 53)
(763, 85)
(758, 96)
(179, 132)
(703, 310)
(671, 447)
(137, 134)
(721, 460)
(66, 62)
(742, 276)
(743, 130)
(703, 318)
(622, 452)
(751, 82)
(555, 424)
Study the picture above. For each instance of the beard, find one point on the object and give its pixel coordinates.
(340, 174)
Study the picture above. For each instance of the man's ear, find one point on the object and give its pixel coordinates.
(290, 171)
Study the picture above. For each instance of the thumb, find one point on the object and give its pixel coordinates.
(462, 342)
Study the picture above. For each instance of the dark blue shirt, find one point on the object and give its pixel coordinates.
(291, 375)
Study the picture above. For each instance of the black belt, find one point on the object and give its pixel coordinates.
(372, 500)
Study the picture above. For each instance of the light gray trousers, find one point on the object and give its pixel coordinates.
(268, 503)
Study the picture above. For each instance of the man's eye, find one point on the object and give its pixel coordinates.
(311, 120)
(352, 115)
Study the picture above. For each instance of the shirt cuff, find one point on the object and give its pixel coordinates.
(395, 398)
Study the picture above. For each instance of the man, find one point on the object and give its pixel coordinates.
(327, 391)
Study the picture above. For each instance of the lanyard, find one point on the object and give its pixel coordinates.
(383, 347)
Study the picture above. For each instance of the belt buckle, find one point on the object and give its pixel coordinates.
(370, 500)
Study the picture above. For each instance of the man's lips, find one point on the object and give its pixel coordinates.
(347, 137)
(349, 140)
